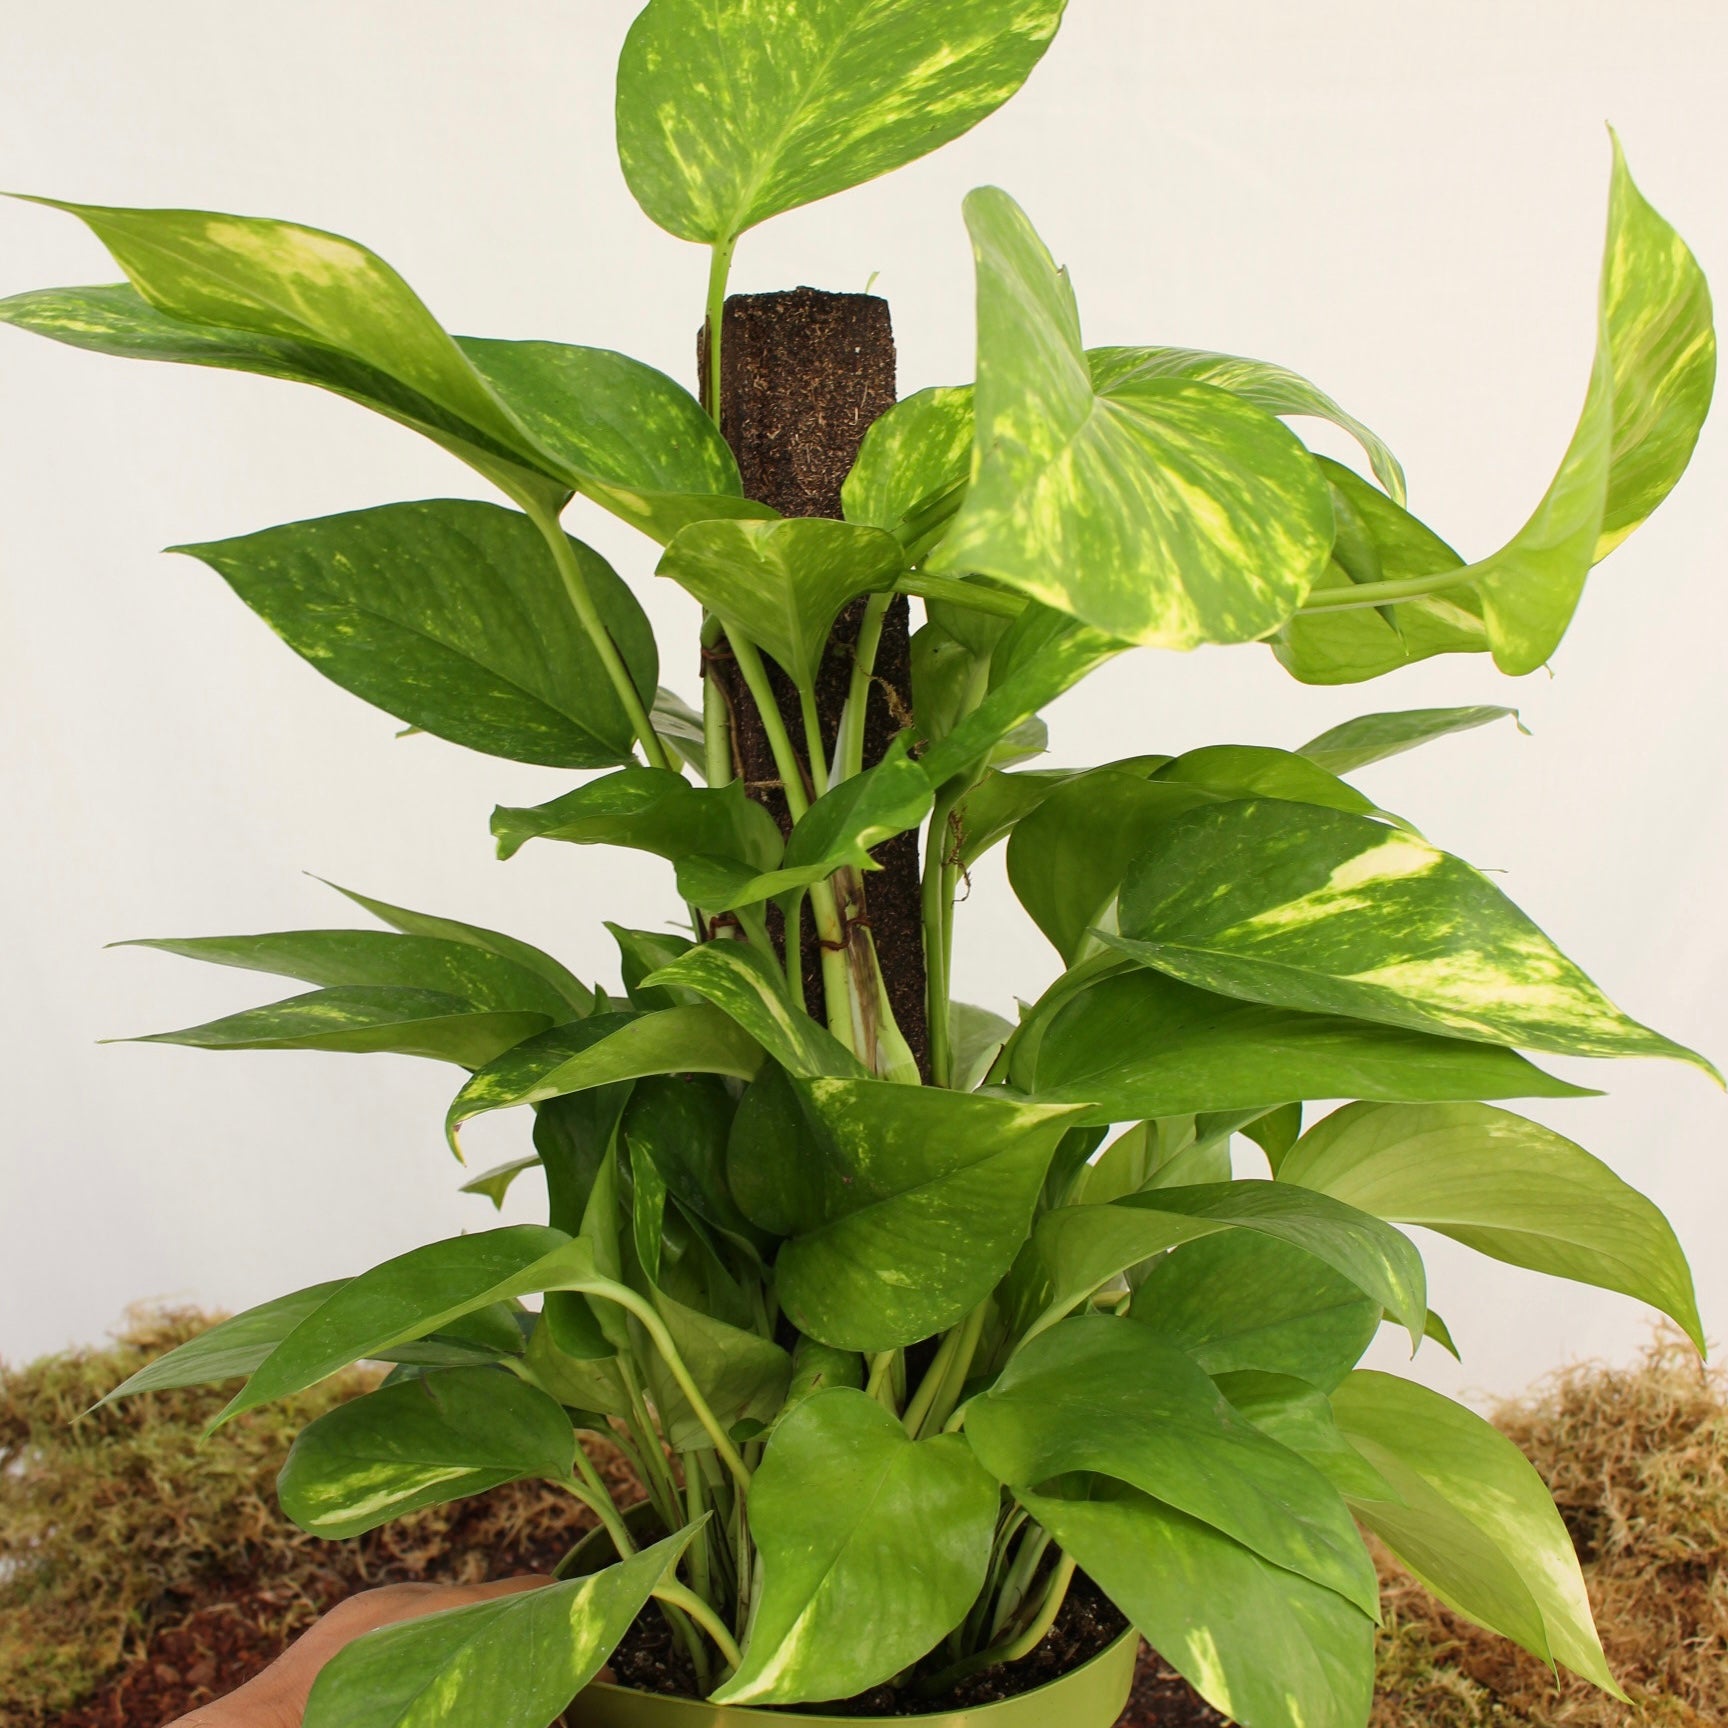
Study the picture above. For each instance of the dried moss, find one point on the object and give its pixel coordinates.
(1638, 1463)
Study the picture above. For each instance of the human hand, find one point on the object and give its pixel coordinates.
(277, 1697)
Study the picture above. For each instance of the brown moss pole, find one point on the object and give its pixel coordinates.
(802, 375)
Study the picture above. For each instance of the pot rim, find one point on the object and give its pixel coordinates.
(968, 1713)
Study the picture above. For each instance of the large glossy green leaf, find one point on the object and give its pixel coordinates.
(744, 983)
(1067, 857)
(699, 1039)
(510, 1663)
(1462, 1481)
(1373, 737)
(450, 615)
(1335, 913)
(364, 1019)
(728, 115)
(575, 993)
(1267, 385)
(781, 585)
(1100, 1394)
(653, 810)
(1257, 771)
(1141, 1044)
(907, 1176)
(1078, 1249)
(1377, 541)
(1242, 1301)
(858, 1525)
(230, 1349)
(421, 1443)
(379, 957)
(1163, 512)
(1649, 392)
(682, 1125)
(253, 295)
(838, 830)
(1505, 1186)
(1265, 1646)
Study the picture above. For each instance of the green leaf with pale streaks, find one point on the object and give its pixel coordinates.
(1162, 512)
(1649, 392)
(485, 980)
(1230, 771)
(1477, 1525)
(912, 456)
(652, 810)
(1079, 1249)
(781, 585)
(1268, 1648)
(423, 1442)
(907, 1176)
(230, 1349)
(1140, 1044)
(1275, 388)
(742, 982)
(1373, 737)
(252, 295)
(1242, 1301)
(858, 1525)
(362, 1020)
(838, 830)
(513, 1662)
(699, 1039)
(450, 615)
(728, 115)
(1335, 913)
(577, 994)
(1505, 1186)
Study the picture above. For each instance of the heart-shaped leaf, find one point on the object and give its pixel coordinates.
(1373, 737)
(730, 115)
(1335, 913)
(1505, 1186)
(856, 1524)
(908, 1176)
(451, 616)
(423, 1442)
(1163, 512)
(1101, 1394)
(1267, 1647)
(781, 585)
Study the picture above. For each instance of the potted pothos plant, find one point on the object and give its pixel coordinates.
(926, 1332)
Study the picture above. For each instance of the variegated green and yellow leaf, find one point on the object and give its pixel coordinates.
(729, 114)
(1165, 512)
(1336, 913)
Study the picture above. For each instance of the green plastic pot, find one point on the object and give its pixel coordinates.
(1090, 1696)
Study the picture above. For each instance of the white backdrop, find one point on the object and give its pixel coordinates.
(1405, 203)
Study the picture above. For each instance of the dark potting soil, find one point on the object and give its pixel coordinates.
(651, 1660)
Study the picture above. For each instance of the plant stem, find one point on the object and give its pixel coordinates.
(849, 741)
(1033, 1547)
(604, 1510)
(959, 1366)
(1055, 1594)
(931, 1384)
(1363, 594)
(719, 269)
(695, 1499)
(786, 762)
(677, 1596)
(881, 1382)
(813, 741)
(975, 595)
(717, 763)
(936, 913)
(594, 626)
(655, 1327)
